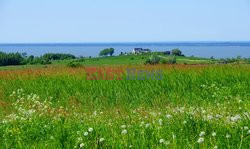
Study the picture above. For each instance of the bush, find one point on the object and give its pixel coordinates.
(153, 59)
(73, 65)
(57, 56)
(172, 60)
(163, 61)
(169, 60)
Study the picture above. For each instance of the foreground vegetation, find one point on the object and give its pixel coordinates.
(193, 106)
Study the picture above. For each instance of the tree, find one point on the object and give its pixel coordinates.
(111, 51)
(108, 51)
(177, 52)
(10, 59)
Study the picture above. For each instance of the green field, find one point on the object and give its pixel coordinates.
(136, 59)
(193, 106)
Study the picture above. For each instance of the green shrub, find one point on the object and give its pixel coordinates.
(57, 56)
(172, 60)
(80, 60)
(153, 59)
(163, 61)
(73, 65)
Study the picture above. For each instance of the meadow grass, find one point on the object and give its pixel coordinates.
(193, 106)
(134, 60)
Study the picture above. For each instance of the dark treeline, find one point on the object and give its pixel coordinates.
(10, 59)
(22, 59)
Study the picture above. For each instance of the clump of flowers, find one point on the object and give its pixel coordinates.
(30, 106)
(235, 118)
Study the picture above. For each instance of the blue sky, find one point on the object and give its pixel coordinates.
(39, 21)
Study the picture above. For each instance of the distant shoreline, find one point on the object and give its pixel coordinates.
(197, 43)
(204, 49)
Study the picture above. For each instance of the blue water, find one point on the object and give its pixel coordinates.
(201, 49)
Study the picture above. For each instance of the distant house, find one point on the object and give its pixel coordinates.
(140, 50)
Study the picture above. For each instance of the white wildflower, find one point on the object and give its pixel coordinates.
(160, 121)
(202, 134)
(169, 116)
(228, 136)
(90, 129)
(82, 145)
(161, 141)
(102, 139)
(86, 133)
(123, 126)
(124, 132)
(213, 134)
(245, 127)
(200, 140)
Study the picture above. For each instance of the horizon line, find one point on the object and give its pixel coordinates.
(126, 42)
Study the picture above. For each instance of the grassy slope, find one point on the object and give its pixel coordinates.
(135, 59)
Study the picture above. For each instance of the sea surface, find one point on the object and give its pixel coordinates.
(200, 49)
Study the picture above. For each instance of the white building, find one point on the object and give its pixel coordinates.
(140, 50)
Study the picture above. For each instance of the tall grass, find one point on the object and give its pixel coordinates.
(156, 113)
(180, 84)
